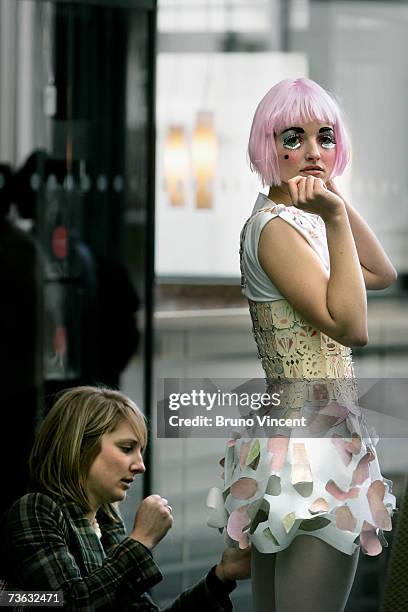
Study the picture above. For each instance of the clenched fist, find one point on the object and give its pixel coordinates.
(152, 521)
(311, 195)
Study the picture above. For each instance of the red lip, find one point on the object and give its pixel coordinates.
(312, 168)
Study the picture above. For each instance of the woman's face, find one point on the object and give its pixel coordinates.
(115, 467)
(306, 149)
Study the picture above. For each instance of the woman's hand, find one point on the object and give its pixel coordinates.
(152, 521)
(234, 565)
(312, 195)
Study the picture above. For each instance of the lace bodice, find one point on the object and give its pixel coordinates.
(291, 348)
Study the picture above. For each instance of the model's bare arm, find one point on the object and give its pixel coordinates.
(377, 268)
(336, 303)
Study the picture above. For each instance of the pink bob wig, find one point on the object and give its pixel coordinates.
(288, 103)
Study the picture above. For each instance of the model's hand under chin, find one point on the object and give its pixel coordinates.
(312, 195)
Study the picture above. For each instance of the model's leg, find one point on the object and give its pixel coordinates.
(263, 581)
(312, 576)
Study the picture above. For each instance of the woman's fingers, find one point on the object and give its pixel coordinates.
(297, 189)
(293, 189)
(302, 190)
(310, 186)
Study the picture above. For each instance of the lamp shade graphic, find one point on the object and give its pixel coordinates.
(176, 165)
(204, 158)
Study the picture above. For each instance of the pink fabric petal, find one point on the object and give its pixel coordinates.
(300, 467)
(244, 488)
(334, 489)
(379, 512)
(319, 505)
(355, 444)
(362, 471)
(279, 448)
(243, 453)
(301, 476)
(238, 520)
(369, 541)
(345, 519)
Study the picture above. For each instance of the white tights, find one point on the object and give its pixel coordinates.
(310, 575)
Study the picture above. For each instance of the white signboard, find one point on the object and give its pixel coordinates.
(193, 241)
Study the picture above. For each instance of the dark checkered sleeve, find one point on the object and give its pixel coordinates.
(41, 559)
(201, 599)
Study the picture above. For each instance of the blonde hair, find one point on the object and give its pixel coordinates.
(69, 440)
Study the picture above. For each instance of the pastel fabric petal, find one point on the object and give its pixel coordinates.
(369, 540)
(288, 521)
(274, 485)
(345, 519)
(362, 472)
(379, 512)
(253, 452)
(301, 474)
(237, 522)
(278, 447)
(356, 444)
(244, 488)
(319, 505)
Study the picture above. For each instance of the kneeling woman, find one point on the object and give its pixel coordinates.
(66, 534)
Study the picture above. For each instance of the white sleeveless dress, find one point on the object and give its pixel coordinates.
(324, 483)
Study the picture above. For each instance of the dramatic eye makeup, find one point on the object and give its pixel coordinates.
(293, 137)
(327, 139)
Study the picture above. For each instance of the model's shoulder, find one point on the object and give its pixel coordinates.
(260, 217)
(312, 226)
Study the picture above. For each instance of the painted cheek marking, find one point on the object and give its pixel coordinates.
(286, 156)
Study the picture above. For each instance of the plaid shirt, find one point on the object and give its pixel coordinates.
(50, 545)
